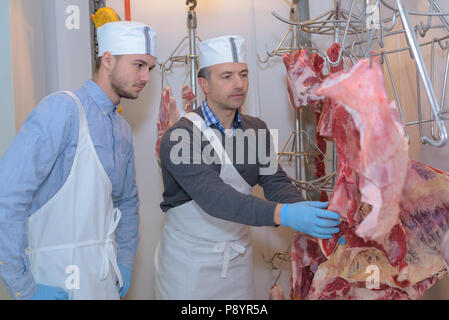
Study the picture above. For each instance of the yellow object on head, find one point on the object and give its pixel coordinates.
(104, 15)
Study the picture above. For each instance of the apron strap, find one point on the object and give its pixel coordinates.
(83, 127)
(225, 248)
(110, 250)
(210, 135)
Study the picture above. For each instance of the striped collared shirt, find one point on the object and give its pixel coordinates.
(210, 118)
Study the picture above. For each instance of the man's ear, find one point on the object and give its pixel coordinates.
(204, 84)
(108, 61)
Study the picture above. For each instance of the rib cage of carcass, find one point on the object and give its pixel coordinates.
(394, 210)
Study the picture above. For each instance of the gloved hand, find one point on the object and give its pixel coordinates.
(49, 293)
(126, 277)
(309, 217)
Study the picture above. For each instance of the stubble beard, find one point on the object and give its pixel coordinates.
(119, 86)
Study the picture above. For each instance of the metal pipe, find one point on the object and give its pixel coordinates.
(401, 49)
(302, 9)
(443, 93)
(415, 13)
(299, 146)
(432, 78)
(418, 98)
(442, 18)
(337, 16)
(396, 95)
(340, 54)
(424, 75)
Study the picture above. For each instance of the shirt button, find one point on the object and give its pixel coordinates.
(18, 294)
(1, 262)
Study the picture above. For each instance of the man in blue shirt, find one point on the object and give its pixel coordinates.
(68, 182)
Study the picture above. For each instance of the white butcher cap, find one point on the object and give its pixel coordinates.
(221, 50)
(126, 37)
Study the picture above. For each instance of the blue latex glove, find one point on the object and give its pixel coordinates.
(309, 217)
(49, 293)
(126, 277)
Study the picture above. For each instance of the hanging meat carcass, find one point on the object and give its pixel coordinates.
(394, 214)
(168, 115)
(188, 98)
(379, 154)
(304, 76)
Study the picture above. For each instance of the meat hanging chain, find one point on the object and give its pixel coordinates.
(394, 210)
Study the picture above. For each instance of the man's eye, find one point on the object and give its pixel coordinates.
(139, 65)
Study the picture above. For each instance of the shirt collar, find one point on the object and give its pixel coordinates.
(210, 118)
(99, 96)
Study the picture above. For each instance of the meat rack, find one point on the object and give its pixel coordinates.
(191, 58)
(367, 28)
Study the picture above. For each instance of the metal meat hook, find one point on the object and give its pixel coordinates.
(192, 3)
(340, 54)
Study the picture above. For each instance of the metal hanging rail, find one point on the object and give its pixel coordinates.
(342, 22)
(191, 58)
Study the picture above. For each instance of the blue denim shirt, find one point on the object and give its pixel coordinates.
(38, 163)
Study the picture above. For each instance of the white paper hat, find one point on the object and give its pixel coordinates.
(126, 37)
(221, 50)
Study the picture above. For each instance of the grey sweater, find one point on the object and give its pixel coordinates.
(198, 179)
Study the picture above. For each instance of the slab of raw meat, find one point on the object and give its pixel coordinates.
(333, 53)
(168, 115)
(304, 75)
(408, 257)
(424, 215)
(324, 127)
(306, 257)
(361, 123)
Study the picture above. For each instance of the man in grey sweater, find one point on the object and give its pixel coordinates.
(210, 161)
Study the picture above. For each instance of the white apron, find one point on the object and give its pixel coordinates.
(202, 257)
(71, 238)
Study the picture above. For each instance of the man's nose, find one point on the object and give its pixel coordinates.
(238, 82)
(145, 76)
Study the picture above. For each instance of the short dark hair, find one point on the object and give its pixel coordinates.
(98, 62)
(204, 73)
